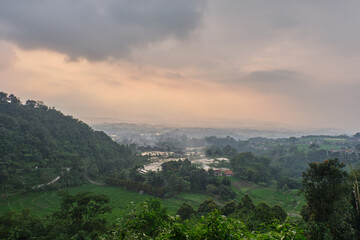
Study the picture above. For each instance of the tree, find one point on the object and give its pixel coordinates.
(30, 103)
(3, 97)
(226, 192)
(285, 188)
(185, 211)
(228, 208)
(263, 213)
(81, 214)
(14, 100)
(279, 213)
(246, 205)
(327, 210)
(147, 218)
(154, 179)
(135, 175)
(206, 207)
(23, 225)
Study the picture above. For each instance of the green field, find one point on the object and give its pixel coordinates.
(290, 201)
(47, 202)
(44, 203)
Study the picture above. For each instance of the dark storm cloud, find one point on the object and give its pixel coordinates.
(96, 29)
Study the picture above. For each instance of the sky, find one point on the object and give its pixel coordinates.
(192, 62)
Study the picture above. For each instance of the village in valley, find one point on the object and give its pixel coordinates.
(195, 155)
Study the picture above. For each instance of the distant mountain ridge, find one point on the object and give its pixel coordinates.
(133, 130)
(37, 143)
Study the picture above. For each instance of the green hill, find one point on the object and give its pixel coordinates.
(38, 144)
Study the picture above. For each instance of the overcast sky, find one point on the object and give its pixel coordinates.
(192, 62)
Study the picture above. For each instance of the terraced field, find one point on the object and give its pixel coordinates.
(44, 203)
(291, 201)
(47, 202)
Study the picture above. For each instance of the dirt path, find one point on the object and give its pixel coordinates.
(240, 185)
(46, 184)
(93, 182)
(294, 214)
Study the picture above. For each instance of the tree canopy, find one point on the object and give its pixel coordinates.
(39, 143)
(328, 211)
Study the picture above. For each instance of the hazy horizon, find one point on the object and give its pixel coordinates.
(232, 63)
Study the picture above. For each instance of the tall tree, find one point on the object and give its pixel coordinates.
(81, 215)
(327, 210)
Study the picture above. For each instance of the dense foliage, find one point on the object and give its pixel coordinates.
(250, 167)
(263, 160)
(149, 221)
(39, 143)
(329, 212)
(83, 216)
(175, 177)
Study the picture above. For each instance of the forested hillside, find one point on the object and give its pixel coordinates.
(38, 143)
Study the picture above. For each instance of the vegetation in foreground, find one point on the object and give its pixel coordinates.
(47, 202)
(83, 216)
(331, 212)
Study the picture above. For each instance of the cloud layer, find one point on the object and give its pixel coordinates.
(97, 29)
(288, 61)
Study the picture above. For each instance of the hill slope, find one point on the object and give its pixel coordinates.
(38, 143)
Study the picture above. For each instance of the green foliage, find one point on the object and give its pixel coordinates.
(176, 177)
(285, 188)
(291, 201)
(147, 218)
(289, 156)
(80, 216)
(229, 208)
(216, 226)
(262, 212)
(246, 204)
(328, 210)
(323, 185)
(47, 202)
(291, 183)
(279, 213)
(21, 225)
(213, 225)
(185, 211)
(206, 207)
(216, 151)
(248, 166)
(228, 146)
(36, 140)
(226, 192)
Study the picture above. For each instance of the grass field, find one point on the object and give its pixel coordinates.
(290, 201)
(45, 203)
